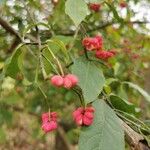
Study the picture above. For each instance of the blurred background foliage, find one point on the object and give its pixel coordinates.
(21, 102)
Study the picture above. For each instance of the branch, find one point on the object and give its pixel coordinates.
(107, 24)
(134, 139)
(9, 28)
(12, 31)
(13, 45)
(104, 25)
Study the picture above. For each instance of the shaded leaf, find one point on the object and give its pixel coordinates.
(122, 104)
(14, 63)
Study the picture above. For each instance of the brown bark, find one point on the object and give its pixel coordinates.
(12, 31)
(9, 28)
(134, 139)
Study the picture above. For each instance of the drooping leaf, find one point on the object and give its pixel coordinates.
(139, 89)
(91, 79)
(77, 10)
(122, 104)
(14, 63)
(47, 66)
(105, 133)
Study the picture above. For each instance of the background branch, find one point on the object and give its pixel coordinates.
(9, 28)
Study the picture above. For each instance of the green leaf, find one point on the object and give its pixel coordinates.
(77, 10)
(91, 79)
(105, 133)
(122, 104)
(47, 66)
(139, 89)
(14, 63)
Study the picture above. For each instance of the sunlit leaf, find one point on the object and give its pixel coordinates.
(77, 10)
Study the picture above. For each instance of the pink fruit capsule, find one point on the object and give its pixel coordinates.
(57, 80)
(67, 83)
(73, 79)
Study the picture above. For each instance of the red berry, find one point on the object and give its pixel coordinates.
(47, 116)
(123, 4)
(89, 109)
(95, 7)
(57, 80)
(92, 43)
(87, 121)
(83, 116)
(49, 126)
(49, 121)
(105, 55)
(78, 115)
(67, 83)
(70, 81)
(79, 120)
(89, 115)
(73, 79)
(77, 112)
